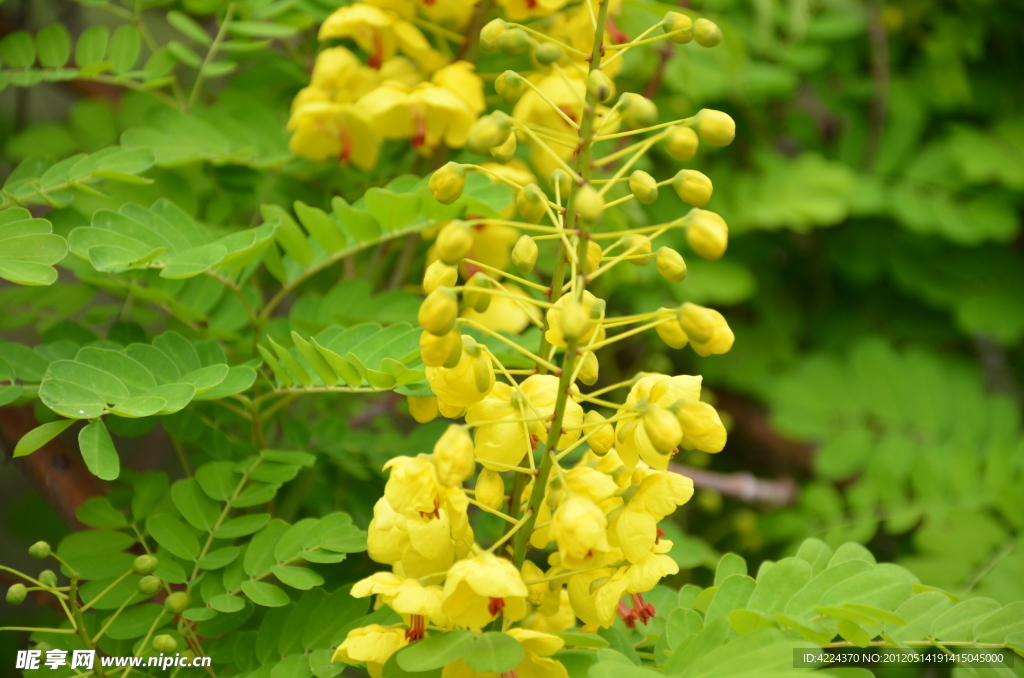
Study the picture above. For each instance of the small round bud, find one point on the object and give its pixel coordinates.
(177, 603)
(509, 86)
(490, 489)
(662, 429)
(561, 179)
(441, 351)
(600, 86)
(424, 410)
(531, 203)
(589, 369)
(39, 550)
(547, 53)
(637, 111)
(594, 255)
(715, 127)
(693, 187)
(16, 594)
(165, 643)
(589, 203)
(454, 242)
(514, 41)
(679, 26)
(145, 564)
(670, 265)
(439, 274)
(149, 585)
(506, 151)
(438, 311)
(670, 331)
(490, 34)
(47, 578)
(487, 132)
(643, 187)
(575, 319)
(601, 434)
(706, 33)
(447, 183)
(639, 248)
(453, 457)
(682, 143)
(473, 295)
(524, 254)
(707, 234)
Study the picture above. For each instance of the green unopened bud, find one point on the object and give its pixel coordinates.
(16, 594)
(47, 578)
(600, 86)
(524, 254)
(707, 234)
(601, 435)
(681, 143)
(639, 248)
(487, 132)
(177, 603)
(441, 351)
(706, 33)
(39, 550)
(149, 585)
(454, 242)
(589, 369)
(146, 564)
(506, 151)
(447, 183)
(715, 127)
(531, 203)
(438, 311)
(680, 26)
(547, 53)
(637, 111)
(509, 86)
(670, 265)
(490, 34)
(575, 319)
(589, 203)
(165, 643)
(514, 41)
(475, 294)
(490, 489)
(662, 428)
(693, 187)
(439, 274)
(560, 178)
(643, 187)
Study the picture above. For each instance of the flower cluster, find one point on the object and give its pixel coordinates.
(580, 477)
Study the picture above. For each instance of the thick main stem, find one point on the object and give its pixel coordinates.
(583, 169)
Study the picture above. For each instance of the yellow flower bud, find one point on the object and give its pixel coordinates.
(589, 203)
(707, 234)
(706, 33)
(514, 41)
(580, 529)
(424, 410)
(637, 111)
(715, 127)
(560, 178)
(682, 143)
(643, 187)
(483, 372)
(439, 274)
(575, 319)
(447, 183)
(702, 427)
(474, 296)
(589, 369)
(441, 351)
(708, 331)
(504, 152)
(662, 429)
(547, 53)
(693, 187)
(670, 265)
(671, 332)
(438, 311)
(602, 435)
(450, 411)
(524, 254)
(490, 34)
(509, 86)
(490, 489)
(453, 456)
(454, 242)
(600, 86)
(594, 254)
(674, 21)
(531, 203)
(487, 132)
(638, 246)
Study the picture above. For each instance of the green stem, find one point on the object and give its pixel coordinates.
(211, 53)
(79, 622)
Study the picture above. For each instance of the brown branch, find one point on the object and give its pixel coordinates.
(743, 486)
(880, 78)
(757, 445)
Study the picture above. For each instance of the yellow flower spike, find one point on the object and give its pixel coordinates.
(579, 528)
(593, 306)
(589, 368)
(715, 127)
(509, 86)
(693, 187)
(601, 434)
(453, 456)
(662, 428)
(439, 274)
(460, 78)
(600, 86)
(454, 242)
(674, 21)
(488, 131)
(670, 265)
(524, 254)
(490, 34)
(547, 53)
(671, 332)
(594, 255)
(707, 234)
(439, 311)
(634, 443)
(639, 247)
(460, 386)
(412, 490)
(702, 427)
(531, 203)
(706, 33)
(514, 41)
(423, 410)
(708, 331)
(506, 151)
(490, 489)
(637, 111)
(372, 644)
(643, 187)
(480, 589)
(589, 203)
(448, 182)
(681, 143)
(475, 294)
(325, 130)
(441, 351)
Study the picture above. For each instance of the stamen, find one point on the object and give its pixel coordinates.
(496, 606)
(644, 610)
(417, 628)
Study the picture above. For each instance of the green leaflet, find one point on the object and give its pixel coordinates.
(28, 248)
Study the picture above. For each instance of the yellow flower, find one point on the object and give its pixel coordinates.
(478, 590)
(413, 489)
(373, 644)
(468, 382)
(408, 597)
(417, 547)
(708, 331)
(635, 528)
(381, 33)
(461, 79)
(492, 245)
(702, 427)
(634, 441)
(342, 76)
(519, 10)
(596, 596)
(401, 69)
(583, 481)
(325, 130)
(451, 14)
(453, 456)
(591, 305)
(504, 314)
(507, 441)
(579, 528)
(425, 114)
